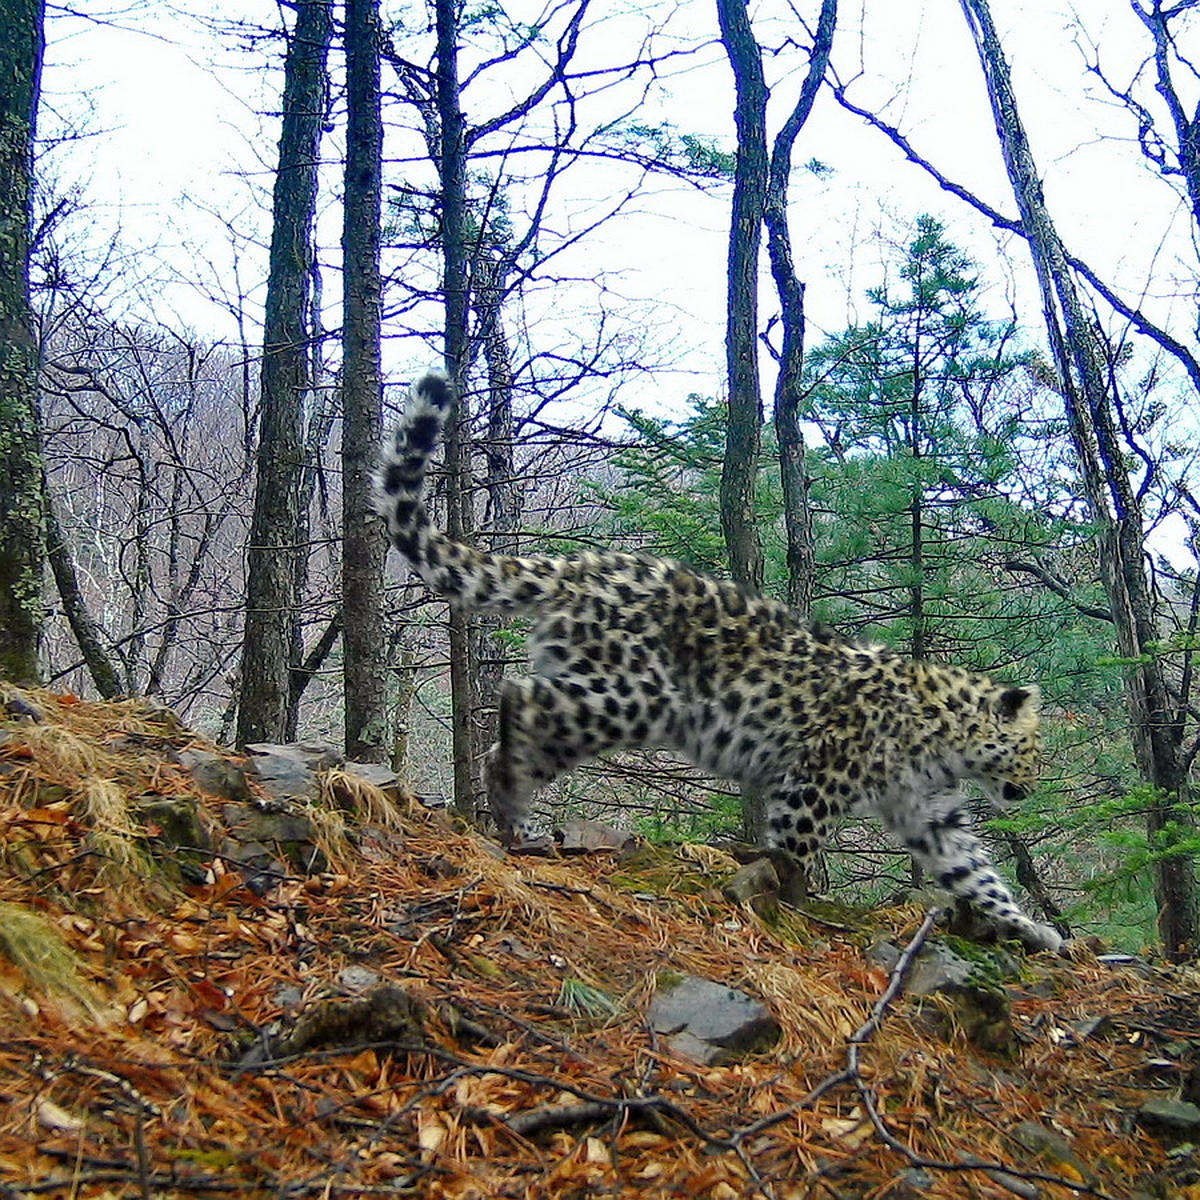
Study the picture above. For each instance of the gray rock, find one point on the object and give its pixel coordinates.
(379, 774)
(1170, 1115)
(883, 954)
(251, 824)
(578, 836)
(288, 996)
(18, 705)
(1050, 1148)
(291, 833)
(180, 821)
(357, 979)
(980, 1003)
(711, 1023)
(316, 756)
(938, 969)
(289, 772)
(753, 881)
(216, 775)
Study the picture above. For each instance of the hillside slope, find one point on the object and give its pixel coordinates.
(405, 1010)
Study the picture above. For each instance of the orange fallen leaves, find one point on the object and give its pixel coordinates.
(199, 981)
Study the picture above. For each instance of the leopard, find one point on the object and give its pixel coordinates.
(628, 650)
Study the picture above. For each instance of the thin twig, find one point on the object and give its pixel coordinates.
(139, 1147)
(852, 1074)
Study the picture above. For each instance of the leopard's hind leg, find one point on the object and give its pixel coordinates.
(547, 726)
(798, 822)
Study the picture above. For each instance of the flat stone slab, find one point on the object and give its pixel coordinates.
(710, 1022)
(1175, 1116)
(288, 772)
(578, 836)
(379, 774)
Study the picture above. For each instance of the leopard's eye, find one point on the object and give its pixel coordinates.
(1013, 792)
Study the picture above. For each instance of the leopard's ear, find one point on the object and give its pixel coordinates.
(1017, 702)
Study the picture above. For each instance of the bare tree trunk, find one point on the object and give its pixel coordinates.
(139, 577)
(87, 633)
(919, 640)
(789, 384)
(504, 493)
(400, 654)
(760, 196)
(271, 640)
(363, 546)
(1029, 878)
(744, 435)
(21, 529)
(314, 495)
(304, 671)
(1114, 508)
(453, 161)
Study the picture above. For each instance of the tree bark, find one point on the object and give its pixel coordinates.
(87, 633)
(21, 529)
(272, 641)
(400, 654)
(789, 383)
(919, 640)
(504, 493)
(363, 546)
(453, 171)
(744, 434)
(760, 187)
(1114, 507)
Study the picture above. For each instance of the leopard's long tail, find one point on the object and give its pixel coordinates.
(400, 482)
(454, 570)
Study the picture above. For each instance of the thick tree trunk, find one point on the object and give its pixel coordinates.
(363, 546)
(271, 642)
(458, 492)
(21, 529)
(1156, 728)
(743, 438)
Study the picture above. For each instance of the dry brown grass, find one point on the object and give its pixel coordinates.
(523, 949)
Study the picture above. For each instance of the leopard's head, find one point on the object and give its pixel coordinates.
(1006, 756)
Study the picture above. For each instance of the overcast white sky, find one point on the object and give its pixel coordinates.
(175, 115)
(172, 130)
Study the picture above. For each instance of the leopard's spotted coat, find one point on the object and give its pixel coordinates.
(636, 651)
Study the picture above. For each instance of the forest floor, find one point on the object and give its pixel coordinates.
(428, 1016)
